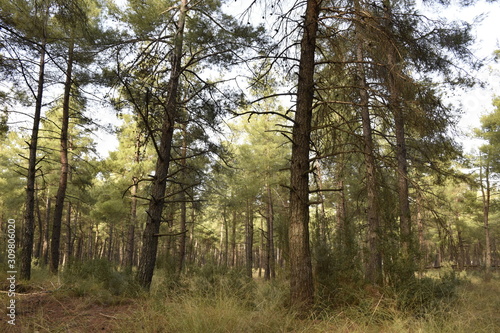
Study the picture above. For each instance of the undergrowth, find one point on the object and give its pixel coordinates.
(215, 299)
(99, 278)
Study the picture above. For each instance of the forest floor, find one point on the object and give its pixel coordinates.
(475, 308)
(48, 312)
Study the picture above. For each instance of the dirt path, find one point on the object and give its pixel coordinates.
(44, 312)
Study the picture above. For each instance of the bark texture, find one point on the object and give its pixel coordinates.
(29, 215)
(301, 280)
(373, 273)
(150, 240)
(63, 177)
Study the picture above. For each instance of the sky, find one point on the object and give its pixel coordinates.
(477, 101)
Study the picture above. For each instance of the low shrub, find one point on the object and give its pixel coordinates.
(90, 276)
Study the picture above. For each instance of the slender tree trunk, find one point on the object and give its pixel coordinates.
(233, 240)
(69, 236)
(301, 279)
(270, 236)
(401, 153)
(484, 179)
(63, 178)
(263, 257)
(111, 239)
(182, 199)
(46, 233)
(129, 249)
(130, 242)
(374, 261)
(249, 240)
(226, 237)
(29, 215)
(422, 251)
(39, 244)
(403, 192)
(461, 249)
(150, 240)
(341, 216)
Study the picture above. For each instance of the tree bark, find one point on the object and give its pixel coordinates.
(373, 273)
(233, 239)
(249, 239)
(39, 244)
(69, 236)
(63, 178)
(226, 237)
(271, 264)
(29, 215)
(301, 279)
(484, 179)
(46, 233)
(182, 199)
(129, 249)
(156, 203)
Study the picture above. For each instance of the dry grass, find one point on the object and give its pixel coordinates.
(230, 303)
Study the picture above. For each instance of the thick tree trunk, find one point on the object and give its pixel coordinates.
(150, 240)
(63, 178)
(29, 215)
(301, 279)
(373, 271)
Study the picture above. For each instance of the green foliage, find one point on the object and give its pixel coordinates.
(91, 276)
(421, 297)
(207, 281)
(338, 276)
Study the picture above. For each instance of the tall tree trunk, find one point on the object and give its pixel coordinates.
(249, 240)
(129, 249)
(130, 242)
(46, 233)
(373, 271)
(226, 237)
(156, 203)
(271, 264)
(29, 215)
(263, 261)
(484, 179)
(394, 100)
(111, 239)
(63, 178)
(233, 239)
(403, 192)
(422, 251)
(39, 244)
(301, 279)
(69, 236)
(182, 199)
